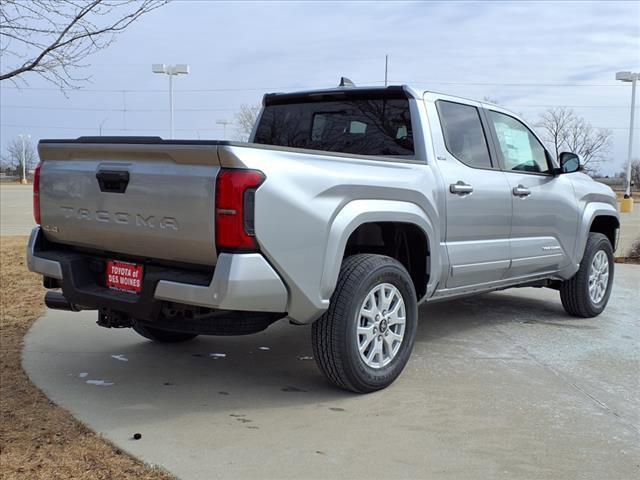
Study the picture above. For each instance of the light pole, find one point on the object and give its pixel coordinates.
(633, 78)
(24, 157)
(170, 70)
(386, 69)
(224, 124)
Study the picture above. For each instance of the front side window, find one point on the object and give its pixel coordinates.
(463, 133)
(521, 151)
(363, 126)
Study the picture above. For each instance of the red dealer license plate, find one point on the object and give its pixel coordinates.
(125, 277)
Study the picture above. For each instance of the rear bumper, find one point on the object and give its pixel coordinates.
(240, 282)
(44, 266)
(244, 282)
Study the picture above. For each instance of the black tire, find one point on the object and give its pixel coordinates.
(334, 335)
(162, 336)
(574, 292)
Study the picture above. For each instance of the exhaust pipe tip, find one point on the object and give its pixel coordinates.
(57, 301)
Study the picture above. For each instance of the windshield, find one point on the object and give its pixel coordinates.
(364, 126)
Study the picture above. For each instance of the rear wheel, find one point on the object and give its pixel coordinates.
(586, 293)
(163, 336)
(364, 340)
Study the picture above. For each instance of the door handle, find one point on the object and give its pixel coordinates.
(113, 181)
(460, 188)
(521, 191)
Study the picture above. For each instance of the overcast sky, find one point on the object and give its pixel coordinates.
(526, 55)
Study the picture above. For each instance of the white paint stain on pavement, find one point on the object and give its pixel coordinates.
(217, 355)
(122, 358)
(82, 375)
(100, 383)
(264, 348)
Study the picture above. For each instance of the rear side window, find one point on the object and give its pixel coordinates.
(364, 126)
(463, 133)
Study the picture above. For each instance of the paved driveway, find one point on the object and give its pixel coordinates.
(503, 385)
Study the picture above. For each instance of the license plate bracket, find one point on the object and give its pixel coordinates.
(124, 276)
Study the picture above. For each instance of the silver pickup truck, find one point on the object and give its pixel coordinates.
(347, 209)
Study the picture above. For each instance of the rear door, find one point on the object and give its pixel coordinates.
(545, 214)
(478, 201)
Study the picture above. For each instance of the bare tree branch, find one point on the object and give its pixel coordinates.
(246, 119)
(53, 37)
(563, 131)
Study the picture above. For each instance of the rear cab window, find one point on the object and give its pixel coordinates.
(463, 133)
(377, 123)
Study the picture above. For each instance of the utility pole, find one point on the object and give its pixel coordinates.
(124, 110)
(101, 124)
(386, 69)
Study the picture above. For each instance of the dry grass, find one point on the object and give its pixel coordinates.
(39, 440)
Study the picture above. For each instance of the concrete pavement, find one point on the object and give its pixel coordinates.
(16, 209)
(503, 385)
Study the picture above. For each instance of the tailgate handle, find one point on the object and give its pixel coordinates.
(113, 181)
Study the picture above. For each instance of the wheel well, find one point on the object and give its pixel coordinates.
(405, 242)
(607, 225)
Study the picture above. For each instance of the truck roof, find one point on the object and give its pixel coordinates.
(391, 91)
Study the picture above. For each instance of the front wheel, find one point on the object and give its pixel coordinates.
(364, 340)
(586, 293)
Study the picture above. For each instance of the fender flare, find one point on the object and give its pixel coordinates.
(590, 212)
(359, 212)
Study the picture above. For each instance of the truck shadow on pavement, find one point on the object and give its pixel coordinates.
(453, 317)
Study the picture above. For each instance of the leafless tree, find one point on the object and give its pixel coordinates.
(635, 172)
(563, 130)
(52, 38)
(12, 157)
(554, 124)
(245, 120)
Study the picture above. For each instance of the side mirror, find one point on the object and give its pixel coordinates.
(569, 162)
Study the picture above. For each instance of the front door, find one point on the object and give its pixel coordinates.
(477, 197)
(545, 214)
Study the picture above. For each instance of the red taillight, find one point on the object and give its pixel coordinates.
(36, 194)
(234, 208)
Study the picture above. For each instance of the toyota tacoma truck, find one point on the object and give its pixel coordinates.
(347, 209)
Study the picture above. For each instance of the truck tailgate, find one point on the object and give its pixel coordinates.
(148, 200)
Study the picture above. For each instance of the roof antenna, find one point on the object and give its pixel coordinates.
(345, 82)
